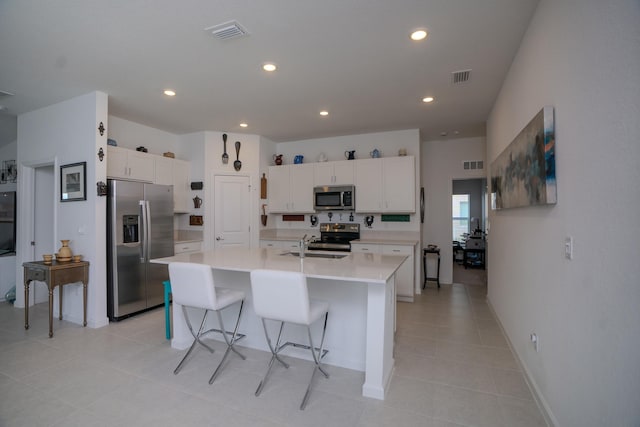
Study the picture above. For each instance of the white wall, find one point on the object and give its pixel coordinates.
(387, 142)
(131, 135)
(583, 58)
(250, 158)
(191, 148)
(61, 134)
(267, 150)
(334, 148)
(204, 151)
(441, 164)
(8, 263)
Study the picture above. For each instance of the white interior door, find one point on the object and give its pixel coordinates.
(232, 206)
(43, 228)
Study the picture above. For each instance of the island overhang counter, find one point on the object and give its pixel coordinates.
(359, 288)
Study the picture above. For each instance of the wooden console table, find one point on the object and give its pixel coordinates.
(55, 274)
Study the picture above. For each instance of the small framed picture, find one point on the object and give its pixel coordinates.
(73, 182)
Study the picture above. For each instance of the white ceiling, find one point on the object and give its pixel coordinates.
(353, 58)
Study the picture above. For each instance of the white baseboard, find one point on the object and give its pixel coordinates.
(535, 391)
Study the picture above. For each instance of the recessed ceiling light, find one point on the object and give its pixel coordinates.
(269, 66)
(244, 125)
(428, 99)
(324, 113)
(419, 35)
(169, 92)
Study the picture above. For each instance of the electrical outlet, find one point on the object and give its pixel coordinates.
(535, 341)
(568, 247)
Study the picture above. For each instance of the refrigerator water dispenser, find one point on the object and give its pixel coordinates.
(130, 229)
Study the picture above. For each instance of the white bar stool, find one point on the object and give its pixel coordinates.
(192, 286)
(283, 296)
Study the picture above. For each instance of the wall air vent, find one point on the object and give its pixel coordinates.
(461, 76)
(228, 30)
(472, 164)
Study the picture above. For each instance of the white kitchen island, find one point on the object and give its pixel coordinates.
(360, 290)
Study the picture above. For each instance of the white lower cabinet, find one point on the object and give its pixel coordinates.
(280, 244)
(181, 248)
(270, 244)
(404, 275)
(292, 245)
(365, 248)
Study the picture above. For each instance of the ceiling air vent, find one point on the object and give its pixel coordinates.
(228, 30)
(461, 76)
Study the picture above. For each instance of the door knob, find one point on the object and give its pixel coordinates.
(219, 238)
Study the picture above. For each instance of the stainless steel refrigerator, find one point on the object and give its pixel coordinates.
(139, 228)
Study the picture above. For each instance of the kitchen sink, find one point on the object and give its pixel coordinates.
(316, 255)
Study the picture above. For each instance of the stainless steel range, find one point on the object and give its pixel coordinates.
(335, 237)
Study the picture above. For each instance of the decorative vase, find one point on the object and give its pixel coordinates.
(64, 253)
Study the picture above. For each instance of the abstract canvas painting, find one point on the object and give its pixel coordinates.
(524, 174)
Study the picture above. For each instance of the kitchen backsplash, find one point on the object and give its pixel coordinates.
(377, 225)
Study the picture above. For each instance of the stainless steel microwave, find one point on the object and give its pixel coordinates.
(334, 198)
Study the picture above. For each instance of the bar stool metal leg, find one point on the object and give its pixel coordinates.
(230, 343)
(274, 355)
(316, 359)
(196, 337)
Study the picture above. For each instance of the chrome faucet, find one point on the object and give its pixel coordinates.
(302, 246)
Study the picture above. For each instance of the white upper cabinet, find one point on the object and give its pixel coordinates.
(181, 188)
(334, 173)
(385, 185)
(291, 188)
(278, 188)
(130, 164)
(399, 184)
(163, 170)
(368, 185)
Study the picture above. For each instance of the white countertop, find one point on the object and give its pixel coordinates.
(357, 267)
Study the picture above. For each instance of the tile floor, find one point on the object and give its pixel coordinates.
(453, 368)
